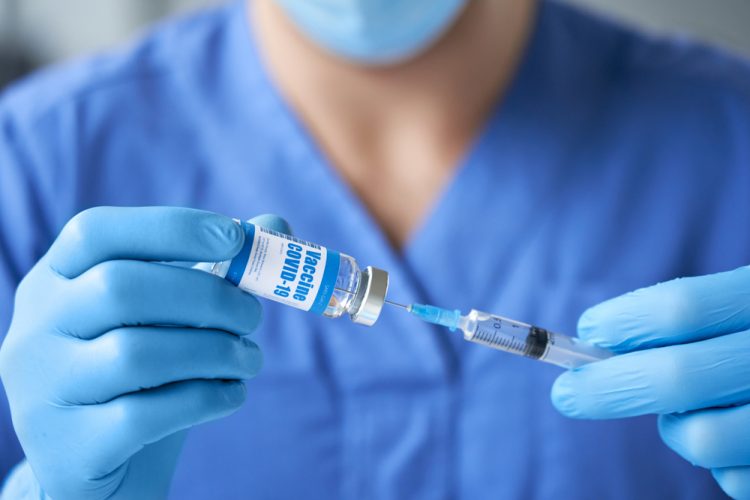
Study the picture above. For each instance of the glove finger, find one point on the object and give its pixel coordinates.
(131, 293)
(714, 372)
(710, 438)
(735, 481)
(144, 233)
(272, 222)
(674, 312)
(126, 424)
(131, 359)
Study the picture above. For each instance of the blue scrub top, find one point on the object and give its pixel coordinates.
(615, 161)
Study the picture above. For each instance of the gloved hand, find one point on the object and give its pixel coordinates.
(687, 359)
(112, 355)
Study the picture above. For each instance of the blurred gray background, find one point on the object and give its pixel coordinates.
(36, 32)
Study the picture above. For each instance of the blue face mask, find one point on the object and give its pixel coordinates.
(373, 31)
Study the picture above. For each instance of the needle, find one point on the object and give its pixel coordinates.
(408, 308)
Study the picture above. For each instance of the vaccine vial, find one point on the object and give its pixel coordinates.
(304, 275)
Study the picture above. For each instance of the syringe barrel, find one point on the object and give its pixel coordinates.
(571, 352)
(527, 340)
(503, 334)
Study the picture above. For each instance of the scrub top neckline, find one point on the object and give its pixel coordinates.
(408, 282)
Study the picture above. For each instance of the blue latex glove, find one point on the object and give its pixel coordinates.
(111, 356)
(687, 359)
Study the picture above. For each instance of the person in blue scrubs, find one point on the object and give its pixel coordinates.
(520, 157)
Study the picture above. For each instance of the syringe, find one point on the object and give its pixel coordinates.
(512, 336)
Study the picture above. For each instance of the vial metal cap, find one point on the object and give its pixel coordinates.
(370, 296)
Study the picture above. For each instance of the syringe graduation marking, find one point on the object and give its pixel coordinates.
(493, 338)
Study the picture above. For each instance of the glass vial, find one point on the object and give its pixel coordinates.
(304, 275)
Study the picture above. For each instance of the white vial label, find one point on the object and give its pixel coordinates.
(280, 267)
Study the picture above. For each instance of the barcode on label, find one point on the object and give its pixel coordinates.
(289, 238)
